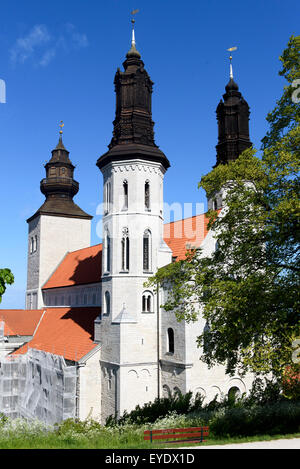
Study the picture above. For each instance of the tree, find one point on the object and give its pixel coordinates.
(248, 289)
(6, 278)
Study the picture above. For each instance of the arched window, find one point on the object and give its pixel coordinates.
(107, 252)
(31, 245)
(170, 340)
(125, 246)
(107, 198)
(125, 195)
(234, 393)
(147, 302)
(147, 251)
(107, 303)
(147, 195)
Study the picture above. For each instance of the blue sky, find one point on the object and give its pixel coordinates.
(58, 60)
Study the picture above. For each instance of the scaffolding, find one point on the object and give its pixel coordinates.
(1, 331)
(38, 385)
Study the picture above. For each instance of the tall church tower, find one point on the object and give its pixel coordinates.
(233, 129)
(133, 172)
(57, 227)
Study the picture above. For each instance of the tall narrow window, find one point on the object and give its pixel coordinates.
(147, 195)
(108, 252)
(147, 251)
(125, 195)
(107, 197)
(125, 246)
(170, 340)
(107, 303)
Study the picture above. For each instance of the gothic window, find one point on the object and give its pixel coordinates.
(125, 195)
(147, 195)
(107, 303)
(125, 247)
(147, 302)
(170, 335)
(147, 251)
(35, 243)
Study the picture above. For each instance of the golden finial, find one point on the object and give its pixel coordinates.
(231, 49)
(61, 125)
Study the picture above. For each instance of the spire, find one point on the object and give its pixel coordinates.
(231, 49)
(59, 186)
(133, 131)
(133, 52)
(233, 121)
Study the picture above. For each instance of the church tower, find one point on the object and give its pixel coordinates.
(57, 227)
(133, 171)
(233, 129)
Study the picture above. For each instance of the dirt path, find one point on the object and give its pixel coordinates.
(293, 443)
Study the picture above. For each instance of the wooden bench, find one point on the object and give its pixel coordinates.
(193, 434)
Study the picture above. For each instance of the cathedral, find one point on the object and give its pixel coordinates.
(88, 304)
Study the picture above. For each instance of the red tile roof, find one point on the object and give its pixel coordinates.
(78, 268)
(19, 321)
(68, 332)
(189, 231)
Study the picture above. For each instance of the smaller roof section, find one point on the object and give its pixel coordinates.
(185, 234)
(20, 322)
(78, 268)
(68, 332)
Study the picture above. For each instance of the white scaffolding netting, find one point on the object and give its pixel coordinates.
(1, 331)
(38, 385)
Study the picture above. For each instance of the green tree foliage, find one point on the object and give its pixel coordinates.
(6, 278)
(248, 289)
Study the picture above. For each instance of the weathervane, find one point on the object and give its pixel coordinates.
(61, 125)
(231, 49)
(134, 12)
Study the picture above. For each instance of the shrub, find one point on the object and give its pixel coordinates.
(281, 417)
(160, 407)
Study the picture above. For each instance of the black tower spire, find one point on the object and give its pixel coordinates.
(133, 134)
(233, 122)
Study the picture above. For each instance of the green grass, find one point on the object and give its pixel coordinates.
(130, 440)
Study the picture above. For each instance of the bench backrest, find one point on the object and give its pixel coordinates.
(166, 433)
